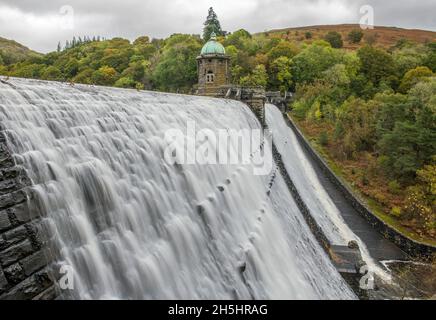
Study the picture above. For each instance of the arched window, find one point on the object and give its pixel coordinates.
(210, 77)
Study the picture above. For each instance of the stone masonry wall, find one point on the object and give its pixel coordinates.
(24, 257)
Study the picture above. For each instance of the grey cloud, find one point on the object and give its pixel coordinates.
(36, 23)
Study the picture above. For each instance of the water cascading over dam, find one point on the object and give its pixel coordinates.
(132, 226)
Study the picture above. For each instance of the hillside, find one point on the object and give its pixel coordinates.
(12, 52)
(383, 36)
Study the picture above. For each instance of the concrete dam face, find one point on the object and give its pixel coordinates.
(102, 205)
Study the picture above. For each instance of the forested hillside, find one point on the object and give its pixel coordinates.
(12, 52)
(372, 110)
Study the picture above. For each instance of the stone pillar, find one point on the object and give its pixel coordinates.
(255, 98)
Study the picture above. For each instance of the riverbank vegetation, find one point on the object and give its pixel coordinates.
(373, 113)
(372, 109)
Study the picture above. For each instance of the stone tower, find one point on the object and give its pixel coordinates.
(213, 67)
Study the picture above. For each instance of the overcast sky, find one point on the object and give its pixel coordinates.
(41, 24)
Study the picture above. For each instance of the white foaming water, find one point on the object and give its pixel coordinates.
(314, 195)
(132, 226)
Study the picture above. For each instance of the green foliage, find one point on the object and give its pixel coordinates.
(84, 76)
(12, 52)
(177, 66)
(420, 204)
(308, 35)
(376, 64)
(141, 41)
(281, 76)
(335, 39)
(211, 24)
(51, 73)
(394, 187)
(311, 62)
(283, 49)
(237, 38)
(323, 138)
(125, 82)
(412, 77)
(409, 57)
(257, 78)
(104, 76)
(355, 36)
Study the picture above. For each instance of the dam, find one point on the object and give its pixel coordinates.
(127, 224)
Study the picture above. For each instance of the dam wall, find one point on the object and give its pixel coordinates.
(24, 272)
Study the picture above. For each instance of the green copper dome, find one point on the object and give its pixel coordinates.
(213, 46)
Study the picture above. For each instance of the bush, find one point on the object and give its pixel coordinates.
(355, 36)
(396, 212)
(335, 39)
(308, 35)
(394, 187)
(323, 138)
(125, 82)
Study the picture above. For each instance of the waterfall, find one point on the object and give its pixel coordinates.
(132, 226)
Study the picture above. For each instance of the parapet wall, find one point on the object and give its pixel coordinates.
(24, 257)
(413, 248)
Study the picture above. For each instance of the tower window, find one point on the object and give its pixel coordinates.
(210, 77)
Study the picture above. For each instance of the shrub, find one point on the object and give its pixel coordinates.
(323, 138)
(394, 187)
(355, 36)
(396, 212)
(335, 39)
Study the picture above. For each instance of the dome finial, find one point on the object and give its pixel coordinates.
(213, 36)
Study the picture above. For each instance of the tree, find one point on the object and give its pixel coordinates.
(335, 39)
(143, 40)
(355, 36)
(125, 82)
(258, 78)
(105, 76)
(59, 47)
(52, 73)
(211, 24)
(177, 66)
(84, 76)
(430, 60)
(420, 202)
(237, 38)
(283, 49)
(311, 62)
(281, 77)
(376, 64)
(412, 77)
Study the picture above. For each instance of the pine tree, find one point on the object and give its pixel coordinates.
(59, 47)
(211, 24)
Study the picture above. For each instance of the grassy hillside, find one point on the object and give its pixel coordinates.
(385, 37)
(12, 52)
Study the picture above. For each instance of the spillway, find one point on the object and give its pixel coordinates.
(315, 196)
(130, 225)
